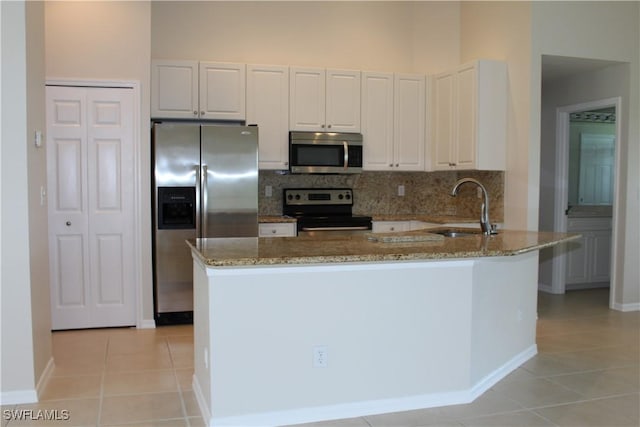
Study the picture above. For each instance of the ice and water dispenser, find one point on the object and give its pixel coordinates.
(176, 208)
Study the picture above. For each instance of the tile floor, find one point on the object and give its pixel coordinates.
(587, 373)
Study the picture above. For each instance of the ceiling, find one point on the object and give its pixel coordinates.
(558, 67)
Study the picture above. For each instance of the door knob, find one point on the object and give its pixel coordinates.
(68, 223)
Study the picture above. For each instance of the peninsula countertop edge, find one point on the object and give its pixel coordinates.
(267, 251)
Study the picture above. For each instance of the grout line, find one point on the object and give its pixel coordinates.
(175, 376)
(102, 381)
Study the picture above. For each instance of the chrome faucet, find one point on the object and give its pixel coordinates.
(485, 224)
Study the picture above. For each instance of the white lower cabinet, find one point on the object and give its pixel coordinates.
(390, 226)
(394, 226)
(589, 259)
(277, 229)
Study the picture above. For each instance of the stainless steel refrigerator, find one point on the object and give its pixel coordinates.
(205, 184)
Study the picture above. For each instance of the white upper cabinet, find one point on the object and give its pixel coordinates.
(200, 90)
(324, 100)
(377, 120)
(393, 121)
(409, 122)
(222, 91)
(343, 101)
(470, 117)
(268, 107)
(174, 89)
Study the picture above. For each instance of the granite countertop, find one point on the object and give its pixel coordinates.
(435, 219)
(275, 219)
(248, 251)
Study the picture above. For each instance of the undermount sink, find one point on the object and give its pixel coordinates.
(457, 232)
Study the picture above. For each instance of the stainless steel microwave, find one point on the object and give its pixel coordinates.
(325, 152)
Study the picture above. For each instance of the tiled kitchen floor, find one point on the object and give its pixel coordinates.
(587, 373)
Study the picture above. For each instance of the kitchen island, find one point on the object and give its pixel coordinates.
(295, 330)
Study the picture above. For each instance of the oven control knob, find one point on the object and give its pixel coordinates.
(340, 196)
(289, 197)
(348, 196)
(297, 197)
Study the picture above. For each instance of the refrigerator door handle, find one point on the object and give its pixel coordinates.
(198, 192)
(204, 190)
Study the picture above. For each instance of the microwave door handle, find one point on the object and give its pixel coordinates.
(346, 154)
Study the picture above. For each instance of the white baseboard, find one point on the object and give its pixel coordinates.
(28, 396)
(18, 397)
(634, 306)
(46, 374)
(543, 287)
(580, 286)
(202, 404)
(146, 324)
(360, 409)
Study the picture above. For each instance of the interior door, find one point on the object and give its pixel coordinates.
(90, 170)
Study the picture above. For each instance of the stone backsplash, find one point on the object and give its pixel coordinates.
(376, 193)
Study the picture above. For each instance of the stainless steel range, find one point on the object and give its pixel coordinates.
(322, 210)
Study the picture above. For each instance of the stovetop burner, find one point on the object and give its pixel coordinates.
(323, 209)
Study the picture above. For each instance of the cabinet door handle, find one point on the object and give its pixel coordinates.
(195, 113)
(68, 223)
(202, 113)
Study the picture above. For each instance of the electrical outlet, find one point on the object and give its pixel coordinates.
(401, 190)
(268, 191)
(320, 356)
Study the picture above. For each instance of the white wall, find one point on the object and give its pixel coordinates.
(17, 352)
(501, 30)
(606, 31)
(384, 36)
(37, 179)
(109, 41)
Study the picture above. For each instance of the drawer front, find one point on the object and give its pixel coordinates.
(390, 226)
(277, 230)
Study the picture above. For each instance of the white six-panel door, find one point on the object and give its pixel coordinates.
(90, 172)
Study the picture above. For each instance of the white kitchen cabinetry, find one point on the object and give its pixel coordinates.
(324, 100)
(174, 89)
(394, 226)
(589, 259)
(268, 107)
(470, 117)
(277, 229)
(200, 90)
(390, 226)
(393, 121)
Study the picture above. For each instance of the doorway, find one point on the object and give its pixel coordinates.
(586, 196)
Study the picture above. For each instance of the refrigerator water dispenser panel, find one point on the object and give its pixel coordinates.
(176, 208)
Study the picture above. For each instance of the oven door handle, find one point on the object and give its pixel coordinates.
(346, 154)
(361, 227)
